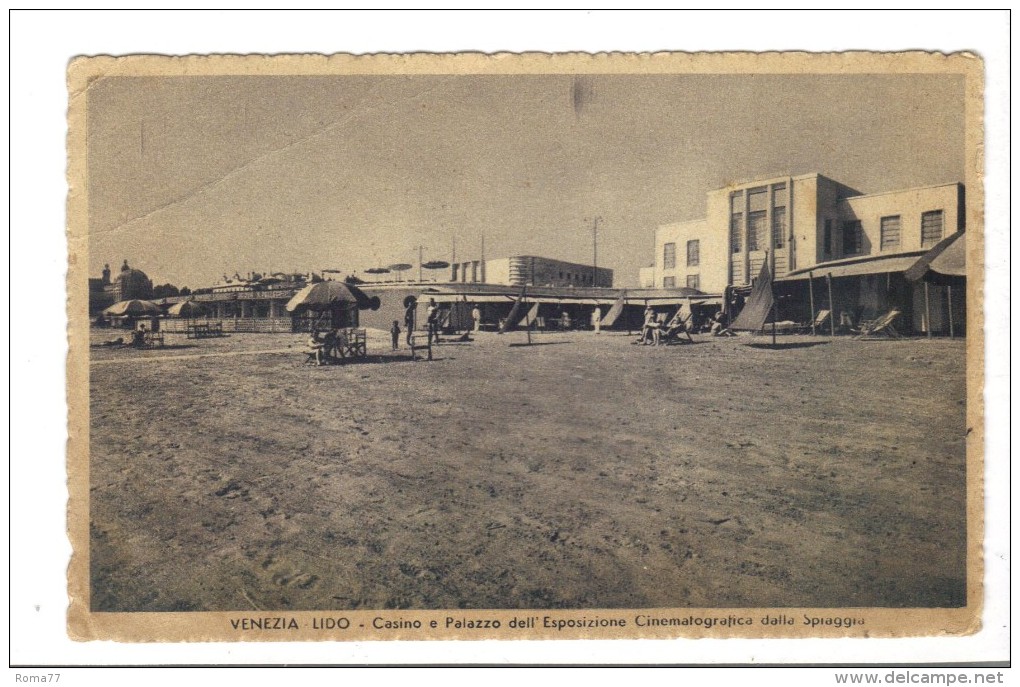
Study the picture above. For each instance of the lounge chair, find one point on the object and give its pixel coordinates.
(820, 319)
(879, 327)
(677, 328)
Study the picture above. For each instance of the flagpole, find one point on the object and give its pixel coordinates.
(949, 293)
(527, 314)
(811, 295)
(927, 310)
(774, 310)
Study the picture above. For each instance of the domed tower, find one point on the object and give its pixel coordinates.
(132, 283)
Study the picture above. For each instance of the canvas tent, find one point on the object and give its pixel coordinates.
(759, 304)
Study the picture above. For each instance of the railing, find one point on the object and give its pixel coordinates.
(268, 325)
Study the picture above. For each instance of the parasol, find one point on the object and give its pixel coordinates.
(134, 308)
(326, 295)
(435, 264)
(187, 309)
(377, 270)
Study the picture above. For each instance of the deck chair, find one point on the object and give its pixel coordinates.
(677, 328)
(820, 319)
(879, 327)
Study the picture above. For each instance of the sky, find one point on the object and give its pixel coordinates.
(195, 177)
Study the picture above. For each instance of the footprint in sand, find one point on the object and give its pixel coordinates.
(285, 575)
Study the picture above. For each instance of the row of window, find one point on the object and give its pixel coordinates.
(692, 282)
(890, 232)
(577, 277)
(756, 205)
(669, 254)
(851, 237)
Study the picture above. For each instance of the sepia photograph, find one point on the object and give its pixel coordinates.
(525, 346)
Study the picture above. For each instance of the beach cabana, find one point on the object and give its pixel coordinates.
(941, 275)
(340, 300)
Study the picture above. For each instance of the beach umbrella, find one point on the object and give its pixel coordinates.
(377, 270)
(326, 295)
(134, 308)
(435, 264)
(399, 268)
(187, 309)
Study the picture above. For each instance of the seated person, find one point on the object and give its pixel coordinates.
(719, 327)
(315, 346)
(651, 330)
(846, 322)
(138, 337)
(565, 320)
(331, 344)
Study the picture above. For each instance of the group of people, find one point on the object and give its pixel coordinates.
(655, 326)
(325, 347)
(651, 330)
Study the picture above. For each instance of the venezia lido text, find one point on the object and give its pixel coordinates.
(484, 622)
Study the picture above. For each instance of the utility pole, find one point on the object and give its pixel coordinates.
(421, 250)
(595, 252)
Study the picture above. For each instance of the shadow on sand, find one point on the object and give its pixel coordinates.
(382, 360)
(110, 346)
(786, 346)
(537, 343)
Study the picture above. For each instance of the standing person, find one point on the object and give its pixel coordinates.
(476, 315)
(650, 329)
(409, 312)
(596, 320)
(432, 321)
(395, 334)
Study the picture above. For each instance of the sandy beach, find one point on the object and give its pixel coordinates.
(579, 472)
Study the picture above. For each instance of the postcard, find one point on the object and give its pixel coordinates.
(525, 346)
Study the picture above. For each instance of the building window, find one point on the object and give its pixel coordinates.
(669, 256)
(756, 230)
(778, 227)
(931, 228)
(736, 221)
(757, 199)
(852, 239)
(693, 253)
(827, 238)
(669, 282)
(736, 226)
(692, 281)
(890, 237)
